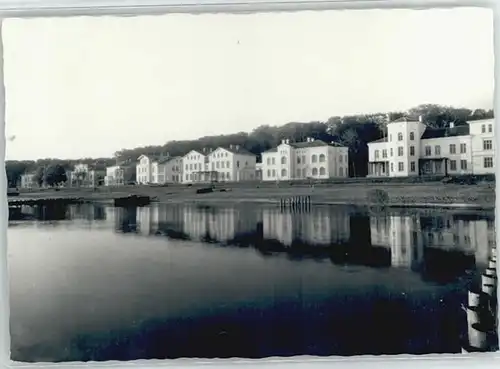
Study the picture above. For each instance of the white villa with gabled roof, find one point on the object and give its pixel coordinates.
(411, 148)
(233, 164)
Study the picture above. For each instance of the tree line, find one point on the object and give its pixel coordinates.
(353, 131)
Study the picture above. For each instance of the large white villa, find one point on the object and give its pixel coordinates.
(411, 148)
(158, 169)
(224, 164)
(300, 160)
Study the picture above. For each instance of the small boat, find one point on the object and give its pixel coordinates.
(205, 190)
(12, 192)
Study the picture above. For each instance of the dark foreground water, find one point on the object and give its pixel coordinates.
(101, 283)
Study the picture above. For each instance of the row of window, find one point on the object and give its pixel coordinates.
(487, 163)
(483, 128)
(487, 145)
(302, 159)
(302, 173)
(196, 176)
(400, 136)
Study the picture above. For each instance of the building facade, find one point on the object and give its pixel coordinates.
(28, 180)
(232, 164)
(312, 159)
(115, 176)
(410, 148)
(196, 167)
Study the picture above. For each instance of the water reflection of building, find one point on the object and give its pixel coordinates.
(473, 235)
(320, 226)
(402, 235)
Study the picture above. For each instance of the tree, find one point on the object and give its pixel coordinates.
(55, 175)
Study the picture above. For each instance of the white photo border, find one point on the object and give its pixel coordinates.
(65, 8)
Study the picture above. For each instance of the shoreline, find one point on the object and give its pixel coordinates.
(402, 196)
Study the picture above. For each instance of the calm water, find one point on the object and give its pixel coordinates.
(101, 283)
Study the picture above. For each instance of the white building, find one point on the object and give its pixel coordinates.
(158, 169)
(196, 167)
(232, 164)
(28, 180)
(115, 176)
(300, 160)
(170, 170)
(410, 148)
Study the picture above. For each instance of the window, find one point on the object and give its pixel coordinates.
(298, 173)
(222, 164)
(412, 150)
(217, 165)
(401, 166)
(490, 128)
(376, 154)
(227, 164)
(298, 159)
(384, 153)
(390, 137)
(400, 151)
(283, 160)
(463, 164)
(274, 172)
(315, 172)
(322, 158)
(238, 164)
(392, 167)
(283, 172)
(314, 158)
(453, 165)
(392, 152)
(274, 161)
(428, 151)
(304, 173)
(487, 145)
(268, 161)
(400, 136)
(303, 159)
(488, 162)
(463, 148)
(483, 128)
(322, 171)
(453, 149)
(341, 172)
(437, 150)
(340, 159)
(412, 136)
(412, 166)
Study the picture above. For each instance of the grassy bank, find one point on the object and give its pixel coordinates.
(398, 194)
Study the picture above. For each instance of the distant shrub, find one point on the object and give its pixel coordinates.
(378, 197)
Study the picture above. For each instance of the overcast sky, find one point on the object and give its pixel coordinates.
(80, 87)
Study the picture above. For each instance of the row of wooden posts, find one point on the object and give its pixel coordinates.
(295, 202)
(481, 311)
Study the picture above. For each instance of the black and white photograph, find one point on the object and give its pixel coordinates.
(251, 185)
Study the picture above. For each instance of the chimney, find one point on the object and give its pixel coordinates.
(237, 147)
(420, 119)
(282, 141)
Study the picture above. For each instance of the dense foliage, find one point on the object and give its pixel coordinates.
(353, 131)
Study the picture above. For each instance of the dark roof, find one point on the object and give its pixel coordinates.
(383, 139)
(235, 149)
(405, 119)
(302, 145)
(165, 160)
(446, 132)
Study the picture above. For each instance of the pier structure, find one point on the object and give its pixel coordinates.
(481, 311)
(295, 203)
